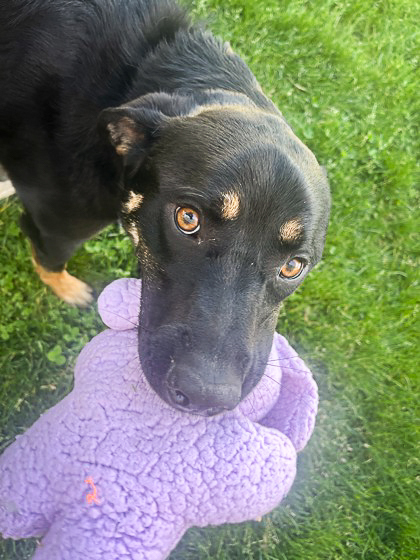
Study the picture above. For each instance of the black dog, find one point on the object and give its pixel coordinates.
(120, 109)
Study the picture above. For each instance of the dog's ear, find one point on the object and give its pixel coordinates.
(133, 128)
(132, 132)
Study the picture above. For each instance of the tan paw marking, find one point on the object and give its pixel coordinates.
(67, 287)
(230, 209)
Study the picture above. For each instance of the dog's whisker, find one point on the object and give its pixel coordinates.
(127, 346)
(283, 366)
(272, 379)
(253, 398)
(136, 325)
(285, 358)
(299, 396)
(122, 317)
(260, 391)
(129, 363)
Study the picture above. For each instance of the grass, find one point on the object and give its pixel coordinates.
(344, 75)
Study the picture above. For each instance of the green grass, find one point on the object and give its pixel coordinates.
(345, 74)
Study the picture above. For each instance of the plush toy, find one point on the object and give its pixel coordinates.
(112, 472)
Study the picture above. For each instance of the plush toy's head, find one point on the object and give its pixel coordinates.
(114, 473)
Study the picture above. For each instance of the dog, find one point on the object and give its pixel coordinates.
(124, 110)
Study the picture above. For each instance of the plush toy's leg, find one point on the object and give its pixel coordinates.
(294, 412)
(98, 538)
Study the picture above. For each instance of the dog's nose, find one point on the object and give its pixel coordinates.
(189, 392)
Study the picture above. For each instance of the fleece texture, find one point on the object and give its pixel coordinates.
(112, 472)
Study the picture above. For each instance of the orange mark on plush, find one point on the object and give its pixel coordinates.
(92, 497)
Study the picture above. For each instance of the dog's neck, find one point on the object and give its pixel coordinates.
(198, 63)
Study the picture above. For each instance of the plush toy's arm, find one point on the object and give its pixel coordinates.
(248, 469)
(294, 412)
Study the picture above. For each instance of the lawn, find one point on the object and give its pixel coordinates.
(344, 75)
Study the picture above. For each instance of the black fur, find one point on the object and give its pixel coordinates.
(100, 98)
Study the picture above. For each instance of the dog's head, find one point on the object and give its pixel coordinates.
(228, 211)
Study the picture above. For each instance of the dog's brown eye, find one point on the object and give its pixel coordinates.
(292, 269)
(187, 219)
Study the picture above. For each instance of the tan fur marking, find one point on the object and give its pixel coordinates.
(259, 88)
(230, 209)
(133, 233)
(133, 203)
(251, 111)
(291, 230)
(147, 261)
(297, 150)
(124, 134)
(228, 48)
(115, 135)
(255, 112)
(122, 149)
(65, 286)
(143, 253)
(221, 107)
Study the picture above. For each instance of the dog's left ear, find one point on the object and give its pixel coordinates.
(133, 128)
(132, 132)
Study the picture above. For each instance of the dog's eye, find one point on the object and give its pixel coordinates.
(187, 220)
(292, 268)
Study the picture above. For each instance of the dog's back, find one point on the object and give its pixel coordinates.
(62, 62)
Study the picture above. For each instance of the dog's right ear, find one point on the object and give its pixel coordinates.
(133, 128)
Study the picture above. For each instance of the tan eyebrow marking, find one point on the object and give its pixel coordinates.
(230, 209)
(291, 230)
(133, 203)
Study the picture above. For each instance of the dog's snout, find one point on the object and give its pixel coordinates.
(186, 390)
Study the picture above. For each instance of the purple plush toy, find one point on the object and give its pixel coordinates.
(112, 472)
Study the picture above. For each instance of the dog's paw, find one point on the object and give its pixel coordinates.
(73, 291)
(67, 287)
